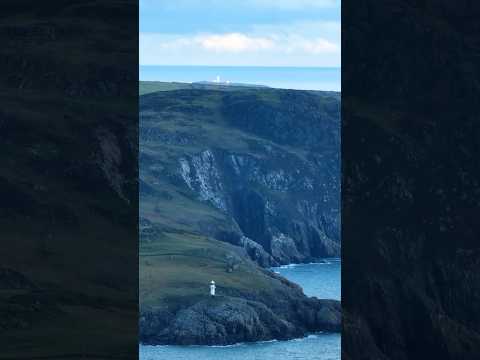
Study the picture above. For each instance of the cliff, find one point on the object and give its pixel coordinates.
(251, 303)
(233, 180)
(257, 168)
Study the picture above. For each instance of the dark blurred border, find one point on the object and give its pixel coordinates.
(68, 179)
(411, 179)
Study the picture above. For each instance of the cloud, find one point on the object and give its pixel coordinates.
(295, 44)
(218, 43)
(234, 42)
(238, 43)
(310, 46)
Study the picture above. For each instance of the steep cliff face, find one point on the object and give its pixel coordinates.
(233, 180)
(258, 168)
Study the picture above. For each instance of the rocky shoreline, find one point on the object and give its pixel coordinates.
(227, 319)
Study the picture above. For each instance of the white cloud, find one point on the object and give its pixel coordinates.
(310, 46)
(297, 44)
(234, 42)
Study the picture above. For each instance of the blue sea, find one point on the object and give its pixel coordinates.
(320, 279)
(302, 78)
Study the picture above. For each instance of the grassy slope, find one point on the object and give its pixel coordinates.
(177, 268)
(210, 130)
(146, 87)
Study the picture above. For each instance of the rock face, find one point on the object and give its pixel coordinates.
(266, 160)
(223, 320)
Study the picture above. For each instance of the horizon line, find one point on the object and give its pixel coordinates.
(266, 66)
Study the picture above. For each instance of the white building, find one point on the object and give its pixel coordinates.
(212, 288)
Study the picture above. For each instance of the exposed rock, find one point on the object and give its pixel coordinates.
(270, 164)
(261, 185)
(257, 253)
(223, 320)
(202, 175)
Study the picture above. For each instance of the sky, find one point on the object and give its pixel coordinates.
(299, 33)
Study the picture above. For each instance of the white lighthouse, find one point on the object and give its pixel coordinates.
(212, 288)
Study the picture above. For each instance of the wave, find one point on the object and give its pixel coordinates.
(325, 261)
(263, 342)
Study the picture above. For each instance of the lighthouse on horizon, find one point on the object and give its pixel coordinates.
(219, 81)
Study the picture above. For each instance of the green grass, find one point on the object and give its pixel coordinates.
(146, 87)
(178, 267)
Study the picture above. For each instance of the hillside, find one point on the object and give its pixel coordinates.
(147, 87)
(230, 182)
(247, 167)
(67, 182)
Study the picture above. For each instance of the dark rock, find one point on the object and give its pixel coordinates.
(223, 320)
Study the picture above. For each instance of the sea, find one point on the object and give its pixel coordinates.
(301, 78)
(320, 279)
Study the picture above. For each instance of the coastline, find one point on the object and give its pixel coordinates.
(318, 262)
(235, 319)
(307, 336)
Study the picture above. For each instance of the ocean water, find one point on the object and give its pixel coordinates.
(320, 279)
(302, 78)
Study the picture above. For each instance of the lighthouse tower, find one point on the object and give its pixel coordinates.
(212, 288)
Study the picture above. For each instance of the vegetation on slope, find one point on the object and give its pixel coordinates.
(186, 242)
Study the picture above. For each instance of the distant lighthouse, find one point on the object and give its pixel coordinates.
(212, 288)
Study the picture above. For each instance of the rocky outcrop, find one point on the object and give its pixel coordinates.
(278, 201)
(224, 320)
(257, 252)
